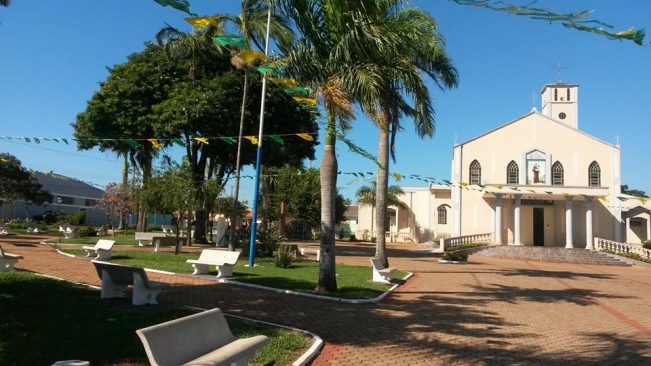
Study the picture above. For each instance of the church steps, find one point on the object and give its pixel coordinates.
(559, 255)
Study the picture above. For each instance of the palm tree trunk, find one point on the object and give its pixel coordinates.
(381, 194)
(234, 219)
(327, 275)
(125, 181)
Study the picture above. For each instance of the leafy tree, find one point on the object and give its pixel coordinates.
(224, 205)
(116, 200)
(17, 184)
(633, 192)
(367, 196)
(300, 190)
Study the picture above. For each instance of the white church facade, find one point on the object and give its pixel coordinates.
(535, 181)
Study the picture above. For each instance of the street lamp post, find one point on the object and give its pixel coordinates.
(58, 213)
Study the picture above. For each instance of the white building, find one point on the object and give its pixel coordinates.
(537, 180)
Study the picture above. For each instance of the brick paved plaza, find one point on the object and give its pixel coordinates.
(487, 312)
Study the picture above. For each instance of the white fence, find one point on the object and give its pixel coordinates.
(604, 244)
(466, 239)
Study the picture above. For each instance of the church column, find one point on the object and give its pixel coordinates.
(498, 219)
(568, 222)
(628, 229)
(589, 239)
(648, 228)
(516, 239)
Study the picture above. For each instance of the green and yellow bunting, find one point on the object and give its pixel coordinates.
(234, 40)
(299, 89)
(250, 55)
(289, 83)
(203, 140)
(253, 139)
(182, 5)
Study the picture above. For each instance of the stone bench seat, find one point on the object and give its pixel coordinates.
(8, 261)
(381, 274)
(101, 250)
(116, 278)
(224, 261)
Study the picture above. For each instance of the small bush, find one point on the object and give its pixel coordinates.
(352, 237)
(373, 239)
(87, 231)
(647, 244)
(283, 257)
(155, 227)
(457, 256)
(17, 224)
(269, 241)
(465, 246)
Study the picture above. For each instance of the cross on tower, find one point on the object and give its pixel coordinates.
(535, 124)
(558, 68)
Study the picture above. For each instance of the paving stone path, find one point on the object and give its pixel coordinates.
(488, 312)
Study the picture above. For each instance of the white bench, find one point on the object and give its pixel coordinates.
(102, 231)
(32, 228)
(157, 239)
(7, 261)
(69, 231)
(222, 260)
(381, 274)
(169, 229)
(116, 278)
(102, 249)
(198, 339)
(3, 230)
(305, 250)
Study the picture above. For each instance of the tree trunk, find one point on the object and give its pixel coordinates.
(200, 220)
(266, 182)
(146, 176)
(125, 181)
(382, 185)
(234, 214)
(327, 274)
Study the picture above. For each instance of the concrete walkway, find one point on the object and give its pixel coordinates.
(488, 312)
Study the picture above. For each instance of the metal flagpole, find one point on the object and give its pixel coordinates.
(256, 182)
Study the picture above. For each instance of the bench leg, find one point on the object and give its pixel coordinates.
(225, 271)
(381, 277)
(200, 268)
(7, 264)
(141, 294)
(91, 253)
(111, 289)
(156, 245)
(103, 254)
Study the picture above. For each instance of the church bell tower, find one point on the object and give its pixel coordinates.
(560, 101)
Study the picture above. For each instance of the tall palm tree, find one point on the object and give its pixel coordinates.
(367, 196)
(399, 89)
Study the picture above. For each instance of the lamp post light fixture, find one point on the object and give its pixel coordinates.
(58, 213)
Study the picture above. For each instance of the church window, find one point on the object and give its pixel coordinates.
(555, 94)
(568, 94)
(512, 173)
(594, 173)
(475, 172)
(557, 174)
(442, 212)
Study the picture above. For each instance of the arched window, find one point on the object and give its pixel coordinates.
(557, 174)
(475, 172)
(594, 173)
(442, 212)
(568, 94)
(555, 94)
(512, 173)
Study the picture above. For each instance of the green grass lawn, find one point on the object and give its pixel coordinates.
(120, 239)
(353, 282)
(45, 320)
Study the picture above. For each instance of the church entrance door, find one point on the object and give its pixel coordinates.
(539, 226)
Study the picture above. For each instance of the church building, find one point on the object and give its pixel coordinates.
(537, 180)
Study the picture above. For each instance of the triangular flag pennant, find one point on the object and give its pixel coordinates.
(515, 188)
(134, 145)
(305, 136)
(155, 143)
(203, 140)
(36, 139)
(447, 182)
(464, 184)
(642, 199)
(182, 5)
(27, 139)
(179, 142)
(398, 176)
(290, 83)
(234, 40)
(250, 55)
(308, 101)
(230, 140)
(253, 139)
(603, 198)
(278, 139)
(549, 192)
(200, 22)
(65, 140)
(266, 69)
(531, 190)
(498, 186)
(298, 89)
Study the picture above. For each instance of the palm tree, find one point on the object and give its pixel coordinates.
(5, 2)
(417, 49)
(367, 196)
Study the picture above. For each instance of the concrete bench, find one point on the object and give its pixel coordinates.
(222, 260)
(157, 239)
(116, 278)
(7, 261)
(102, 230)
(169, 229)
(381, 274)
(305, 250)
(101, 250)
(198, 339)
(3, 230)
(32, 228)
(69, 231)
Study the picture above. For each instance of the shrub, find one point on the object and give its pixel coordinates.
(647, 244)
(87, 231)
(155, 227)
(352, 237)
(457, 256)
(269, 241)
(283, 257)
(373, 239)
(465, 246)
(18, 224)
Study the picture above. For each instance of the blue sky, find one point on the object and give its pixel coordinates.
(53, 54)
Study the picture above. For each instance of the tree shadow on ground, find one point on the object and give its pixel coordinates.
(555, 274)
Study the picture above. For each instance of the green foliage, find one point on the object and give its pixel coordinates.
(268, 240)
(353, 237)
(224, 205)
(465, 246)
(366, 196)
(155, 227)
(633, 192)
(647, 244)
(74, 218)
(283, 257)
(87, 232)
(457, 256)
(17, 184)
